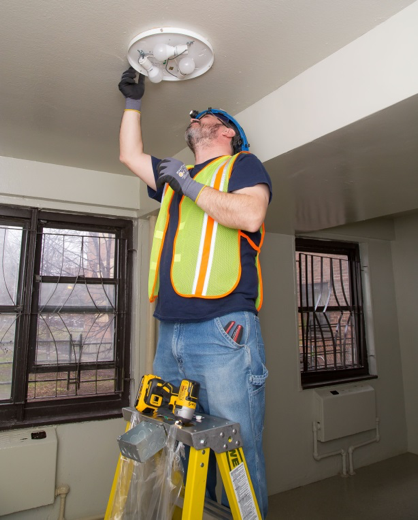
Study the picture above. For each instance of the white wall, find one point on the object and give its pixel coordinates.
(405, 257)
(52, 186)
(87, 458)
(337, 91)
(88, 451)
(288, 429)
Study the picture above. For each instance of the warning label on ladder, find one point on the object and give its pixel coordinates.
(243, 493)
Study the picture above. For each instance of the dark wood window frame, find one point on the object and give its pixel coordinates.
(312, 374)
(19, 411)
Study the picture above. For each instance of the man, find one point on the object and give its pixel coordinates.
(204, 268)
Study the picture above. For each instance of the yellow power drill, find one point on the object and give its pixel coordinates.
(154, 393)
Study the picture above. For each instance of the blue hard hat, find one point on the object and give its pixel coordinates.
(239, 144)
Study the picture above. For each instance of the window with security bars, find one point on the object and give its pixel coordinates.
(64, 316)
(332, 344)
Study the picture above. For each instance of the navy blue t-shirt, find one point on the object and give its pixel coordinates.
(247, 171)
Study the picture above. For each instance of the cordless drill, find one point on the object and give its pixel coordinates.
(154, 393)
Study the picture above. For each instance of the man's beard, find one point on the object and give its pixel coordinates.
(197, 134)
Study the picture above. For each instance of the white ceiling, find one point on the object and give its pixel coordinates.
(61, 61)
(363, 171)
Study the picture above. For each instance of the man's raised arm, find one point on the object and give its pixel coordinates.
(131, 145)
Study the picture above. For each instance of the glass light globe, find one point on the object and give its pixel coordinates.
(187, 65)
(162, 52)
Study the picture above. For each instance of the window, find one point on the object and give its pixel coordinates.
(64, 316)
(332, 343)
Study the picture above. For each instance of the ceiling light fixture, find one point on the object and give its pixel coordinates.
(168, 54)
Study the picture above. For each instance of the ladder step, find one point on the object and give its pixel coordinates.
(213, 510)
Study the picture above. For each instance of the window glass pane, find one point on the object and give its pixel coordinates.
(10, 245)
(75, 338)
(7, 341)
(327, 325)
(97, 382)
(330, 340)
(81, 295)
(67, 252)
(65, 295)
(71, 383)
(323, 280)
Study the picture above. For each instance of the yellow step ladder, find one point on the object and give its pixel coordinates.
(210, 433)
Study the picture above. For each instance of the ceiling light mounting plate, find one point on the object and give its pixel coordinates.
(193, 49)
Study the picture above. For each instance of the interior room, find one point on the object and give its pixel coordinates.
(327, 93)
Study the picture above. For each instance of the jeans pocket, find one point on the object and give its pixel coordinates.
(258, 381)
(230, 337)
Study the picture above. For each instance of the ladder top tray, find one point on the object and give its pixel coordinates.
(220, 435)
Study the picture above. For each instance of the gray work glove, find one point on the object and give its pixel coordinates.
(132, 91)
(175, 173)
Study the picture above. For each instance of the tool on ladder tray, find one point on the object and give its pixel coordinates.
(207, 433)
(155, 393)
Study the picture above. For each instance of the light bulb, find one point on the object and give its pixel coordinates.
(155, 74)
(187, 65)
(162, 52)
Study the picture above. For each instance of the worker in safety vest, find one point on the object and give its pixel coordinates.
(204, 268)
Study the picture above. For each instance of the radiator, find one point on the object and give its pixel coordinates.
(27, 469)
(344, 411)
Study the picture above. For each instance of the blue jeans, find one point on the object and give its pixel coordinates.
(232, 378)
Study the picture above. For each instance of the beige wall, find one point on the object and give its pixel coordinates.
(87, 452)
(86, 461)
(405, 258)
(288, 429)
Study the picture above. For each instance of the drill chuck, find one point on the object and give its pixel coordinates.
(185, 406)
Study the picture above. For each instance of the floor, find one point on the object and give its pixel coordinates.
(387, 490)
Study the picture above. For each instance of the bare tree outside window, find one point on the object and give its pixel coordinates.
(76, 317)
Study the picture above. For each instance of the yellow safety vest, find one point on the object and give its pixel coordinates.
(206, 260)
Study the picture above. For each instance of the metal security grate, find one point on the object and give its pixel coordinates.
(329, 311)
(65, 297)
(76, 294)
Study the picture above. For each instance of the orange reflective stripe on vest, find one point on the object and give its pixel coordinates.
(206, 261)
(207, 242)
